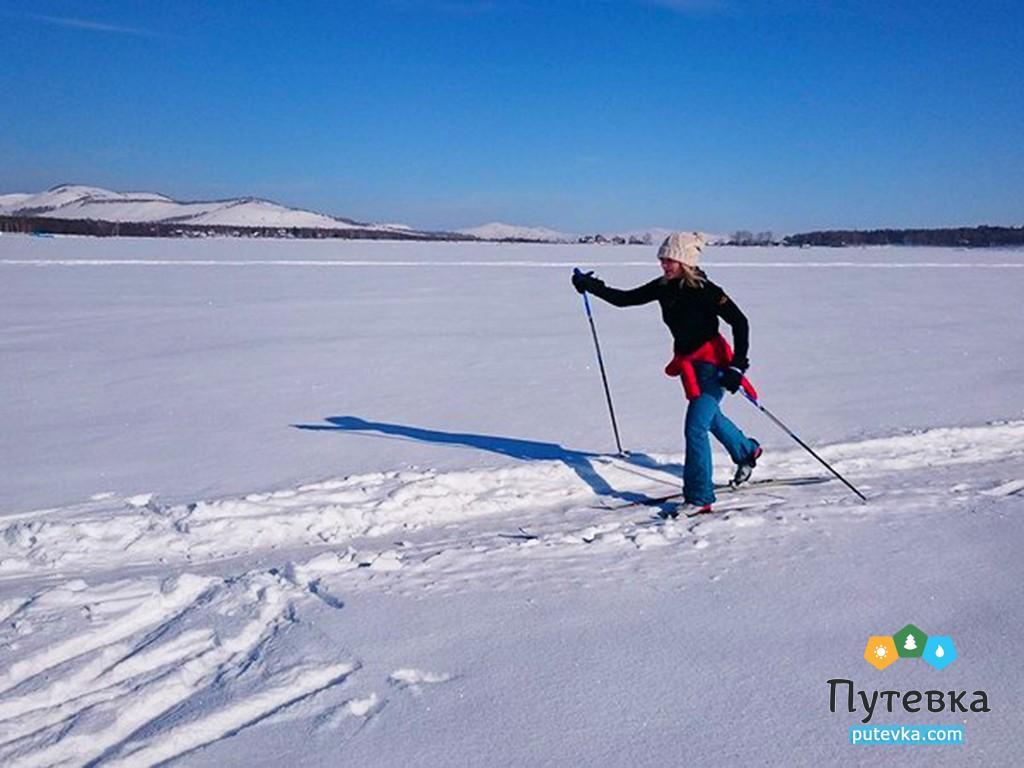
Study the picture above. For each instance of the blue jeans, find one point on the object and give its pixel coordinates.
(702, 416)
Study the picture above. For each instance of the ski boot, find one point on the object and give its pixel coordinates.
(746, 469)
(688, 509)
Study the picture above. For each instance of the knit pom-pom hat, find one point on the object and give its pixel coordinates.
(684, 247)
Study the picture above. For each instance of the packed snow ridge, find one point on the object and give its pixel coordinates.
(70, 201)
(111, 532)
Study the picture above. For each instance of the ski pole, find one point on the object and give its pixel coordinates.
(600, 364)
(751, 394)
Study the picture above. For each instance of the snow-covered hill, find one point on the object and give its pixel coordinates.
(498, 231)
(12, 200)
(70, 201)
(79, 202)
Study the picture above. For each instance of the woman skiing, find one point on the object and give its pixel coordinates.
(690, 306)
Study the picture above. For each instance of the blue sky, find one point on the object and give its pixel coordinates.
(574, 114)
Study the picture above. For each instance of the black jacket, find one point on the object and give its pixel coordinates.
(690, 313)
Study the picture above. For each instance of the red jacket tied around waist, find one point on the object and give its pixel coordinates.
(717, 352)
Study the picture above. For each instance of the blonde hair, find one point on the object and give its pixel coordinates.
(692, 277)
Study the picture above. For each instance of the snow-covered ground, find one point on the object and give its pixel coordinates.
(354, 503)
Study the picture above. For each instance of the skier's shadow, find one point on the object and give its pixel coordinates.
(581, 462)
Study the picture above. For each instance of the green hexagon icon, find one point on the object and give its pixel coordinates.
(910, 642)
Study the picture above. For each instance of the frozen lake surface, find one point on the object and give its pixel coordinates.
(354, 503)
(179, 367)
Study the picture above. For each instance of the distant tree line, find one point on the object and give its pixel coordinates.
(644, 239)
(743, 237)
(970, 237)
(44, 225)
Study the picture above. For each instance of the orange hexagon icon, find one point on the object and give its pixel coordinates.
(880, 651)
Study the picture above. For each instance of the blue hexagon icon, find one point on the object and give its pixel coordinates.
(939, 651)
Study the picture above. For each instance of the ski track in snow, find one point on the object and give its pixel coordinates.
(146, 669)
(141, 655)
(113, 533)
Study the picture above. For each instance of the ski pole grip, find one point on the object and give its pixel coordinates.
(586, 301)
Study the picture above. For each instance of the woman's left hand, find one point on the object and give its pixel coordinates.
(731, 379)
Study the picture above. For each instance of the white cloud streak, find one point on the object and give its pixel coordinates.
(86, 24)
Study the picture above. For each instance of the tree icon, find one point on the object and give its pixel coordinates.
(910, 641)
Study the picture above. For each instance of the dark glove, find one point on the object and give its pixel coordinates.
(585, 281)
(731, 379)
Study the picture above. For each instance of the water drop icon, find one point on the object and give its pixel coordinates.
(940, 652)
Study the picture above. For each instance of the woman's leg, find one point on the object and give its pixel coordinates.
(698, 486)
(703, 415)
(739, 446)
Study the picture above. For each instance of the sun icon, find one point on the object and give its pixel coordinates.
(880, 651)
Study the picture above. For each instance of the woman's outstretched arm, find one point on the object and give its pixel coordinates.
(643, 294)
